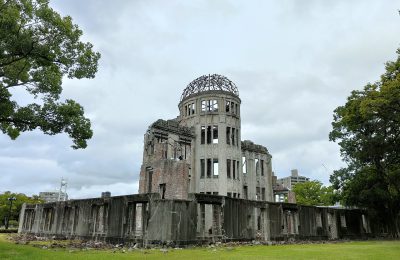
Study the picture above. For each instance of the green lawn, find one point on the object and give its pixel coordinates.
(346, 250)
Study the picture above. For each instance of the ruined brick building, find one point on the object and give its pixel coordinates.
(198, 183)
(201, 150)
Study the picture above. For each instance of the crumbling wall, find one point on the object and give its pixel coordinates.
(239, 219)
(149, 219)
(170, 178)
(172, 222)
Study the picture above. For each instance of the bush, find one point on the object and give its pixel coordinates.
(13, 224)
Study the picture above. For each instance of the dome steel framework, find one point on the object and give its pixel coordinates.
(209, 82)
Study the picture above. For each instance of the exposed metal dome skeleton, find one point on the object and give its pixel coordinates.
(207, 83)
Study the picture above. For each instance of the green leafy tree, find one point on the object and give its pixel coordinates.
(313, 193)
(367, 129)
(16, 206)
(37, 48)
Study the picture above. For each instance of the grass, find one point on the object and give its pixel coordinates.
(346, 250)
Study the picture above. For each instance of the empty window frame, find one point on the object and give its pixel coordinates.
(257, 166)
(203, 135)
(229, 194)
(237, 167)
(149, 181)
(202, 168)
(245, 194)
(258, 195)
(234, 169)
(228, 168)
(192, 109)
(203, 105)
(263, 193)
(163, 188)
(215, 167)
(209, 167)
(244, 165)
(233, 138)
(227, 106)
(209, 105)
(262, 167)
(215, 134)
(214, 105)
(232, 107)
(228, 135)
(209, 133)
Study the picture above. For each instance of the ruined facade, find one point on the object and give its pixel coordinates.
(198, 183)
(201, 150)
(147, 219)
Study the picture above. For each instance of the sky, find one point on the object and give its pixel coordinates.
(293, 62)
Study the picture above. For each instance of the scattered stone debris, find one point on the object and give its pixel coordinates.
(76, 245)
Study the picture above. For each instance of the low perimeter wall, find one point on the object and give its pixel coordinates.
(146, 219)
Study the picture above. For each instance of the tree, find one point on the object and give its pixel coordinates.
(367, 129)
(37, 48)
(16, 206)
(312, 193)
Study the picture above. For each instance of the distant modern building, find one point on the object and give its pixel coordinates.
(293, 179)
(52, 196)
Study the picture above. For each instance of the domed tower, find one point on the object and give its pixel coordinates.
(201, 150)
(210, 105)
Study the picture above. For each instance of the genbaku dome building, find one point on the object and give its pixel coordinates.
(199, 183)
(201, 150)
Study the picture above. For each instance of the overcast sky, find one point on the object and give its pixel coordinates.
(293, 62)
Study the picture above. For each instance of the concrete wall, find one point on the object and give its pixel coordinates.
(147, 219)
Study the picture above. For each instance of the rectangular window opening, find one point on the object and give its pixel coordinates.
(163, 188)
(203, 105)
(203, 135)
(228, 135)
(193, 108)
(214, 105)
(244, 165)
(202, 168)
(215, 167)
(237, 167)
(234, 169)
(209, 134)
(209, 168)
(227, 106)
(257, 165)
(228, 168)
(262, 167)
(215, 134)
(263, 193)
(233, 136)
(245, 192)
